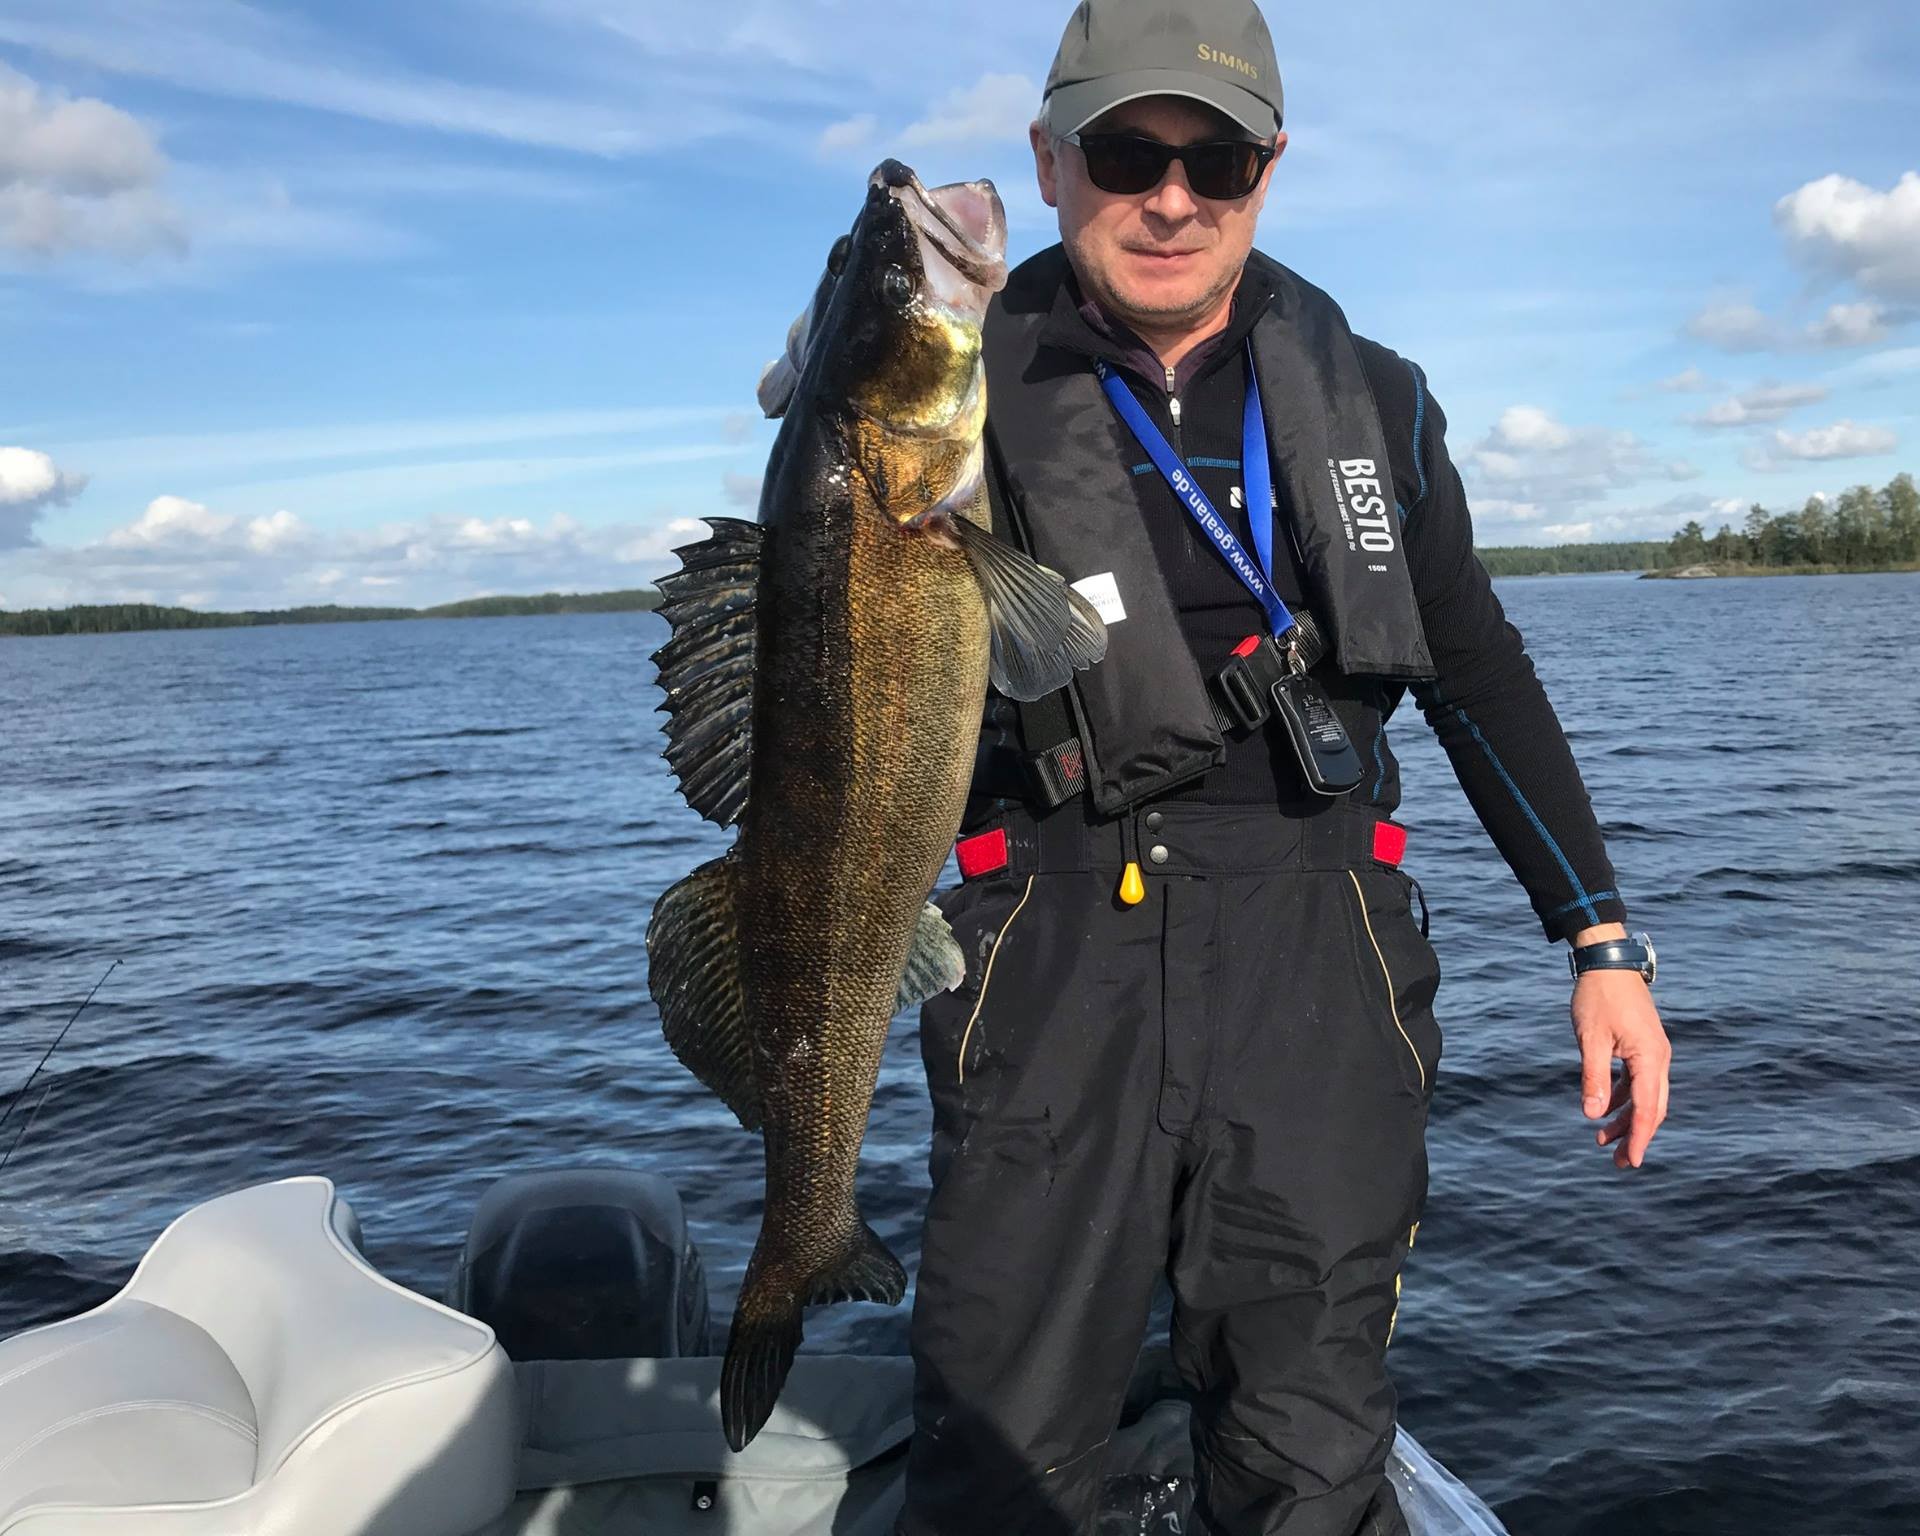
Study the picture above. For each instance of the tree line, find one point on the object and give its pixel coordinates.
(1571, 559)
(1860, 529)
(118, 618)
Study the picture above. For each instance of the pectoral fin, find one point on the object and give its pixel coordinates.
(1042, 630)
(935, 962)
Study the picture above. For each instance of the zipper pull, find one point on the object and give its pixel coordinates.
(1173, 408)
(1171, 380)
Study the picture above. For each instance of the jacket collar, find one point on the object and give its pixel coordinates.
(1070, 324)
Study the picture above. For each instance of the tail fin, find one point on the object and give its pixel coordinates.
(760, 1351)
(766, 1329)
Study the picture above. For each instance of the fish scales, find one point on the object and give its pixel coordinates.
(875, 693)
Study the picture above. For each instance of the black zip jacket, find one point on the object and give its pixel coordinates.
(1485, 704)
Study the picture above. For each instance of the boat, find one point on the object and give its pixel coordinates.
(257, 1374)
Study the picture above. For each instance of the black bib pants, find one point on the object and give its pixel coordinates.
(1227, 1084)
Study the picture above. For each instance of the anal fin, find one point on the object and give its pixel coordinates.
(865, 1271)
(693, 972)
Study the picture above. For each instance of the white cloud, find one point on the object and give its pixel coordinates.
(30, 482)
(1870, 236)
(1488, 510)
(1849, 325)
(171, 521)
(1499, 523)
(29, 478)
(1687, 382)
(1683, 469)
(1734, 325)
(848, 134)
(1525, 427)
(1766, 402)
(1842, 440)
(175, 525)
(1532, 460)
(85, 146)
(995, 109)
(179, 546)
(79, 175)
(281, 530)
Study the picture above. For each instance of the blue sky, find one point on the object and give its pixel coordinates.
(361, 302)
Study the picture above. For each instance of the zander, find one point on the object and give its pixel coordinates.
(825, 682)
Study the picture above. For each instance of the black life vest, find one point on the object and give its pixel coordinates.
(1059, 467)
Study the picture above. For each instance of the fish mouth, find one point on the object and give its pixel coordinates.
(962, 228)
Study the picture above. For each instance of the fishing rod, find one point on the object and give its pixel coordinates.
(26, 1126)
(15, 1100)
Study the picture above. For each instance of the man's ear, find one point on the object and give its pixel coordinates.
(1045, 167)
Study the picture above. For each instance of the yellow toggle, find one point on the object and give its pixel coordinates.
(1133, 890)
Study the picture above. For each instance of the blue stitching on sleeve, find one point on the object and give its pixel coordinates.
(1567, 906)
(1143, 469)
(1379, 741)
(1581, 899)
(1419, 418)
(1206, 463)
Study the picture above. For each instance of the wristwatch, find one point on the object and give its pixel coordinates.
(1634, 954)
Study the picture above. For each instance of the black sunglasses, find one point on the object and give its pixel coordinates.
(1127, 163)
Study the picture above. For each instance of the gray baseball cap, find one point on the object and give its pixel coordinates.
(1216, 51)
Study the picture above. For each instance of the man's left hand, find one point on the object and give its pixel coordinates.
(1614, 1020)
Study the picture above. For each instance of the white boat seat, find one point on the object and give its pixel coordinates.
(257, 1377)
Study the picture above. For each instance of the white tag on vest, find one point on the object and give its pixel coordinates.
(1104, 593)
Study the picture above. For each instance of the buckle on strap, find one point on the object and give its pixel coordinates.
(1057, 774)
(1242, 690)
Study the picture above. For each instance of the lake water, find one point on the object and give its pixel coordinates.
(378, 893)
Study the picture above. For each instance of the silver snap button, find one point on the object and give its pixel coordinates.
(1158, 853)
(1155, 821)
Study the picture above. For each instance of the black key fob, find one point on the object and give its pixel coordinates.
(1320, 741)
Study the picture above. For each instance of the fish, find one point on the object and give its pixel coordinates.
(824, 685)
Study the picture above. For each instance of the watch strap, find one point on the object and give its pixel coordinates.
(1634, 954)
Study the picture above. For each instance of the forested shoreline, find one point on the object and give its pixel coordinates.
(1860, 530)
(122, 618)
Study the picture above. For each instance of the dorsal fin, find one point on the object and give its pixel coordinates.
(706, 669)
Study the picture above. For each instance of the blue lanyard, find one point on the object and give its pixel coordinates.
(1258, 579)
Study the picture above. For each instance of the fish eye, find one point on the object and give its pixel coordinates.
(897, 287)
(837, 257)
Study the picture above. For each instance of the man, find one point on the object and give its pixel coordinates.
(1195, 1039)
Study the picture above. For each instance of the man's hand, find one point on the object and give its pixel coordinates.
(1614, 1019)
